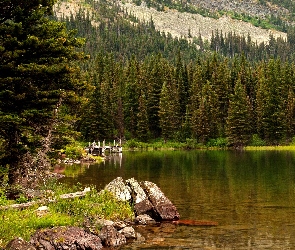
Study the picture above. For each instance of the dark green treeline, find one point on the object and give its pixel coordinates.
(212, 98)
(148, 85)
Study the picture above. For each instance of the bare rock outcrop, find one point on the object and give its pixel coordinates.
(110, 237)
(73, 238)
(146, 196)
(162, 205)
(119, 189)
(142, 204)
(19, 244)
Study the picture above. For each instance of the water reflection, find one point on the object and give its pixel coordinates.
(250, 194)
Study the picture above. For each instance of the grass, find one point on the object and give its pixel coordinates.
(278, 148)
(63, 212)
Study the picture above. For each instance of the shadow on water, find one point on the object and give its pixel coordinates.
(250, 194)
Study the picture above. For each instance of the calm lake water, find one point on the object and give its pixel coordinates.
(250, 194)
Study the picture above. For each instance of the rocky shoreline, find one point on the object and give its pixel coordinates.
(151, 206)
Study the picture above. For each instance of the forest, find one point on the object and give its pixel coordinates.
(148, 85)
(63, 81)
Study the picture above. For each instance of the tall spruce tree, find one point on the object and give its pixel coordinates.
(131, 96)
(238, 124)
(37, 76)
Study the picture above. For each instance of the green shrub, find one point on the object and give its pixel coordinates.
(74, 152)
(131, 144)
(218, 142)
(257, 141)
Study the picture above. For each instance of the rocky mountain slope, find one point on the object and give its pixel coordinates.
(188, 25)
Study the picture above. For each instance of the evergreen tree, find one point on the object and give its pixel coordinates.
(131, 96)
(37, 76)
(290, 114)
(154, 76)
(169, 110)
(271, 106)
(238, 121)
(204, 118)
(142, 119)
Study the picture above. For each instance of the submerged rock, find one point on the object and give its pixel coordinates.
(144, 219)
(128, 232)
(110, 237)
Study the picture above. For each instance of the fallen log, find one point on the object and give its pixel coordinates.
(195, 222)
(32, 203)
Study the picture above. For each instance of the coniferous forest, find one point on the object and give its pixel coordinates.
(147, 85)
(105, 75)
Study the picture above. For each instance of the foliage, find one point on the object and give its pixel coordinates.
(74, 152)
(257, 141)
(63, 212)
(37, 76)
(219, 143)
(94, 205)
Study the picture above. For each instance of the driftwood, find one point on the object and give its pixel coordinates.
(32, 203)
(195, 223)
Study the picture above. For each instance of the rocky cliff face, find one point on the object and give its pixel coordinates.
(249, 7)
(180, 24)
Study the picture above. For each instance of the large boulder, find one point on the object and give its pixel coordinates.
(19, 244)
(119, 189)
(140, 200)
(162, 205)
(110, 237)
(146, 197)
(73, 238)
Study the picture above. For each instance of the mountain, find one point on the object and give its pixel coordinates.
(199, 17)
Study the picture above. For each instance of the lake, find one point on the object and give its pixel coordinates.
(251, 194)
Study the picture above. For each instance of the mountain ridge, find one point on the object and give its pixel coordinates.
(179, 24)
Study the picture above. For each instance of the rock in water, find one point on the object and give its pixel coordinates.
(119, 189)
(110, 237)
(162, 205)
(142, 205)
(146, 197)
(73, 238)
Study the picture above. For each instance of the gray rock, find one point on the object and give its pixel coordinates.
(119, 225)
(145, 207)
(73, 238)
(142, 205)
(19, 244)
(110, 237)
(128, 232)
(119, 189)
(144, 219)
(138, 194)
(146, 197)
(162, 205)
(104, 222)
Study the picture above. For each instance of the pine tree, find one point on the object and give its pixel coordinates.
(154, 76)
(238, 124)
(142, 119)
(290, 114)
(271, 102)
(204, 118)
(169, 110)
(37, 76)
(131, 96)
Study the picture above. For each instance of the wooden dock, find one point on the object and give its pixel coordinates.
(98, 149)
